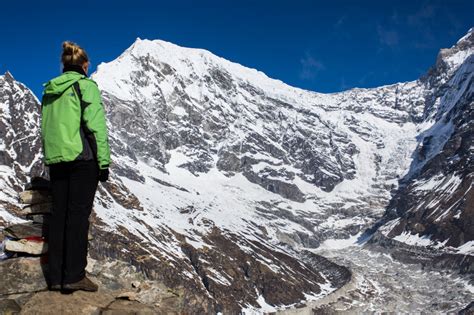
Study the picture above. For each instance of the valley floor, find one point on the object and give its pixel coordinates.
(382, 284)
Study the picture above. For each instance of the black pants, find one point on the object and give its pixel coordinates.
(73, 186)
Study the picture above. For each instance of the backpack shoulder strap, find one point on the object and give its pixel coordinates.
(77, 88)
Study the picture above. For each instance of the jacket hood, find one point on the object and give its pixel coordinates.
(59, 84)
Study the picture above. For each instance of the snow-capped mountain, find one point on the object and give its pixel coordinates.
(20, 143)
(434, 206)
(221, 176)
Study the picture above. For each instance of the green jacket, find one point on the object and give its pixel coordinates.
(65, 137)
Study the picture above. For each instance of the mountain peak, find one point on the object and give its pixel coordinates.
(468, 37)
(145, 46)
(459, 52)
(450, 59)
(8, 76)
(189, 63)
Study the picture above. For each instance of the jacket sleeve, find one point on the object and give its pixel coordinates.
(95, 122)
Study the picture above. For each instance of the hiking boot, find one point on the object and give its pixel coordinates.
(85, 284)
(55, 287)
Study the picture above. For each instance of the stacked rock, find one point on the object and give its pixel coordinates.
(29, 238)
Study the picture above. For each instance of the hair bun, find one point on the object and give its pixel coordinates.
(73, 54)
(68, 48)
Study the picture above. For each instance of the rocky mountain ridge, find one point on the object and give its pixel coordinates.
(436, 198)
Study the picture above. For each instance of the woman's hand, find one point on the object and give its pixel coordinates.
(104, 175)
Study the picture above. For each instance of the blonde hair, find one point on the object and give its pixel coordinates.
(73, 54)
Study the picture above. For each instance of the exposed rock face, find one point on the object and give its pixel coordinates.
(226, 268)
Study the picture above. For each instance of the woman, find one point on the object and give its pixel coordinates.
(76, 149)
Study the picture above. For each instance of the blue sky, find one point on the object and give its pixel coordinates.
(324, 46)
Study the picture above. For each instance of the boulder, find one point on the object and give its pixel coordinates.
(32, 246)
(22, 275)
(24, 230)
(34, 196)
(37, 208)
(9, 306)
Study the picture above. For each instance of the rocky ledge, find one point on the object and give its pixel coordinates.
(122, 290)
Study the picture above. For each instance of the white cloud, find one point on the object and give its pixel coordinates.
(310, 67)
(388, 37)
